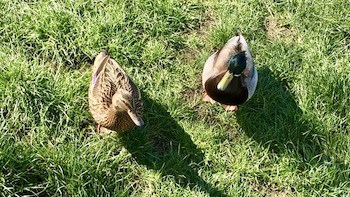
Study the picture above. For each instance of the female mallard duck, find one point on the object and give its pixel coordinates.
(229, 75)
(114, 100)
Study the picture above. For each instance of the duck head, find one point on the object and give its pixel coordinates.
(236, 65)
(123, 102)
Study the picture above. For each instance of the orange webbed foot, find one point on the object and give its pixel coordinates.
(103, 130)
(231, 108)
(207, 98)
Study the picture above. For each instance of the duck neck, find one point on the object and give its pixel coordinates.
(113, 107)
(112, 113)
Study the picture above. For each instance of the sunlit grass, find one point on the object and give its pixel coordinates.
(290, 139)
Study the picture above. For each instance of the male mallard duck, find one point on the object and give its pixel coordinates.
(114, 100)
(229, 75)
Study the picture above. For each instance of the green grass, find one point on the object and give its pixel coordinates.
(291, 139)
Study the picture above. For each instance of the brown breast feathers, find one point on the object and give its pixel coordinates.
(234, 94)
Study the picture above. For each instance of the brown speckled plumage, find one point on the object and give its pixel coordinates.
(110, 81)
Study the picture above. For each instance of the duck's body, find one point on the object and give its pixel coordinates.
(114, 100)
(229, 75)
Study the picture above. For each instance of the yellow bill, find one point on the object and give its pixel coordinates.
(222, 85)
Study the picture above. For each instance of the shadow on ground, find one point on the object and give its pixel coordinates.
(273, 119)
(164, 146)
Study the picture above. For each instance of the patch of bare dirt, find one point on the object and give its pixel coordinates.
(271, 189)
(190, 93)
(277, 31)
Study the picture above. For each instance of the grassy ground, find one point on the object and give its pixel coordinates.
(291, 139)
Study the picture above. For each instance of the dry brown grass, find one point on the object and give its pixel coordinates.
(277, 31)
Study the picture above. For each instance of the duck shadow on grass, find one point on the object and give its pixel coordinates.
(273, 119)
(161, 144)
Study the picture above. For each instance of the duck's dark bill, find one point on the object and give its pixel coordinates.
(136, 119)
